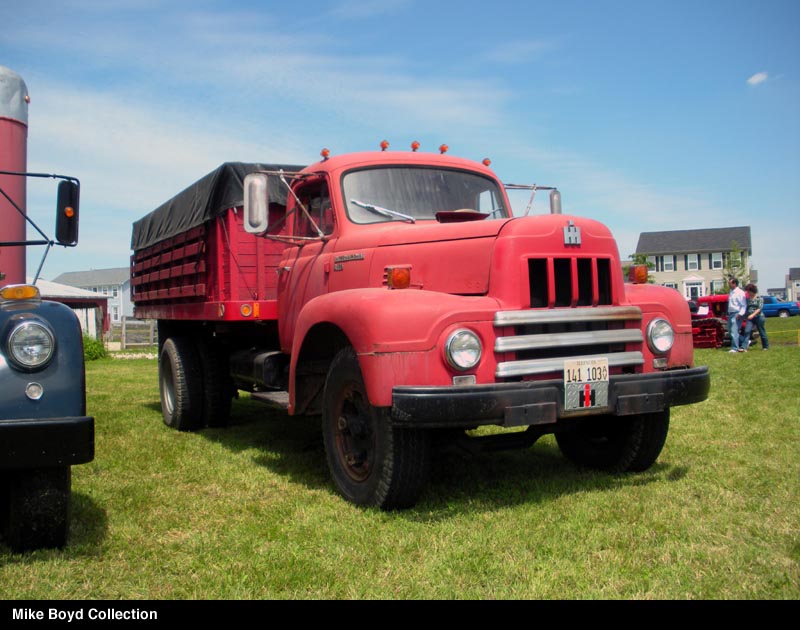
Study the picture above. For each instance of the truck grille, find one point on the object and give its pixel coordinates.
(543, 339)
(569, 282)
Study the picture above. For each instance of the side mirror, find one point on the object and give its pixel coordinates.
(67, 213)
(256, 209)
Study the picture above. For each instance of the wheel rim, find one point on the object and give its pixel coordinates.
(167, 387)
(354, 434)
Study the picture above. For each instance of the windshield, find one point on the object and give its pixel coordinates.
(412, 193)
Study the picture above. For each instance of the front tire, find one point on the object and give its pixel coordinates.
(36, 508)
(371, 462)
(616, 444)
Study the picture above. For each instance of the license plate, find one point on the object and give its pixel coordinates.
(585, 384)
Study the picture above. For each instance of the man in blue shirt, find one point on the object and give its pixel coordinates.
(737, 305)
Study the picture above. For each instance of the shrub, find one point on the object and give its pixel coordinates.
(93, 349)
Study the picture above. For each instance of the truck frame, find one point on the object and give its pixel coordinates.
(395, 295)
(44, 429)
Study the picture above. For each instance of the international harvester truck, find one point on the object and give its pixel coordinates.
(44, 429)
(394, 294)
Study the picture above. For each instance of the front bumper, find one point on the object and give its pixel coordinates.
(541, 402)
(46, 442)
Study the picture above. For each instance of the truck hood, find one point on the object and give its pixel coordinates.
(461, 258)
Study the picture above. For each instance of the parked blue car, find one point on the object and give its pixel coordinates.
(774, 307)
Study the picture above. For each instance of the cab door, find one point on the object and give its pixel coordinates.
(304, 272)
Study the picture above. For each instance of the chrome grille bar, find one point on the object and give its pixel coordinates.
(567, 315)
(544, 366)
(567, 339)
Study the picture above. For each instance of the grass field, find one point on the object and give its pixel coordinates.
(250, 512)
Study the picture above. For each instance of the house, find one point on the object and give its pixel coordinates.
(793, 285)
(696, 262)
(114, 283)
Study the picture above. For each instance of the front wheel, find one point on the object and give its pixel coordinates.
(783, 313)
(371, 462)
(36, 508)
(616, 444)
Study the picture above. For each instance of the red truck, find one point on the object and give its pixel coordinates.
(394, 294)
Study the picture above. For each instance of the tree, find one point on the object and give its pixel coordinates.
(734, 266)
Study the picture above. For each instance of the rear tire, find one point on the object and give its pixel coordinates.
(217, 385)
(371, 462)
(181, 384)
(616, 444)
(36, 508)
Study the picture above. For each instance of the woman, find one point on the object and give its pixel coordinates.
(754, 316)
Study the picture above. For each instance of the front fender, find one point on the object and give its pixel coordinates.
(380, 322)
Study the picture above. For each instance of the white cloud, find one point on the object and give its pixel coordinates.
(758, 78)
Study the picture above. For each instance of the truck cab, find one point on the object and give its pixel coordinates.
(449, 313)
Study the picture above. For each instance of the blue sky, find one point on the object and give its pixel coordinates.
(647, 115)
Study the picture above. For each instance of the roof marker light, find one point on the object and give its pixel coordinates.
(415, 146)
(384, 145)
(487, 162)
(443, 149)
(325, 153)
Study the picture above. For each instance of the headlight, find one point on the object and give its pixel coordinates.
(31, 345)
(660, 336)
(463, 349)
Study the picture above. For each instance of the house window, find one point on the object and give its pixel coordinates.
(671, 285)
(717, 286)
(115, 313)
(114, 291)
(692, 263)
(716, 260)
(669, 263)
(105, 290)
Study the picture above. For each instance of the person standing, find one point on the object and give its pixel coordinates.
(754, 316)
(737, 307)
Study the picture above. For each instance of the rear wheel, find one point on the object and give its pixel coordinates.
(181, 384)
(217, 385)
(783, 313)
(371, 462)
(36, 508)
(616, 444)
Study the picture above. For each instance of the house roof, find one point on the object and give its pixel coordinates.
(55, 291)
(95, 277)
(694, 241)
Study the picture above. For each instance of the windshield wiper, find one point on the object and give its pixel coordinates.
(383, 211)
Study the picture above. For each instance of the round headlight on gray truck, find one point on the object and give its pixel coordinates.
(463, 349)
(660, 336)
(31, 345)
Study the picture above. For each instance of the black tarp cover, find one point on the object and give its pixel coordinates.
(207, 198)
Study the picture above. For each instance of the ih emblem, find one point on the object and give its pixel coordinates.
(572, 234)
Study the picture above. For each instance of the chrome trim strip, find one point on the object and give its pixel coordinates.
(545, 366)
(560, 315)
(584, 338)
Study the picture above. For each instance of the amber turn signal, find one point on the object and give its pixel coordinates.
(638, 274)
(19, 292)
(398, 277)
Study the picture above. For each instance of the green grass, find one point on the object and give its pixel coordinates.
(250, 512)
